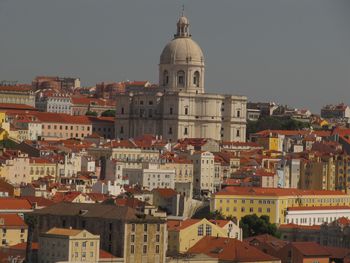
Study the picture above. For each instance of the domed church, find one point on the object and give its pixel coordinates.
(179, 107)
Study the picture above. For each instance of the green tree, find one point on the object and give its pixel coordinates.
(274, 123)
(91, 113)
(108, 113)
(252, 225)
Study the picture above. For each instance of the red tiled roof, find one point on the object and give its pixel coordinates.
(176, 225)
(13, 106)
(130, 202)
(105, 255)
(39, 201)
(62, 118)
(165, 192)
(23, 246)
(305, 208)
(310, 249)
(87, 101)
(22, 87)
(11, 220)
(256, 191)
(229, 249)
(8, 203)
(65, 196)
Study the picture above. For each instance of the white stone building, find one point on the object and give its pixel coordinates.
(203, 172)
(107, 187)
(308, 216)
(179, 107)
(150, 177)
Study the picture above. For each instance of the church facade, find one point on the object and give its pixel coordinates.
(179, 107)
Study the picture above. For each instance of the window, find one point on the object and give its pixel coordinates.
(144, 249)
(181, 78)
(171, 111)
(200, 230)
(150, 102)
(186, 111)
(91, 254)
(165, 77)
(185, 131)
(157, 238)
(238, 113)
(122, 110)
(144, 238)
(207, 230)
(157, 249)
(158, 227)
(196, 79)
(170, 130)
(132, 249)
(238, 134)
(91, 244)
(145, 227)
(133, 227)
(132, 238)
(121, 129)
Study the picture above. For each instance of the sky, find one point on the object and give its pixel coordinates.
(293, 52)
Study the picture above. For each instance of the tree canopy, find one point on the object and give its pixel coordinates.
(274, 123)
(108, 113)
(91, 113)
(252, 225)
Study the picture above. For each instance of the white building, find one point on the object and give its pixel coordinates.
(150, 177)
(109, 188)
(203, 172)
(179, 107)
(316, 215)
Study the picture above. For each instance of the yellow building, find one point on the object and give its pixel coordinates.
(183, 169)
(69, 245)
(318, 173)
(41, 167)
(182, 235)
(241, 201)
(13, 230)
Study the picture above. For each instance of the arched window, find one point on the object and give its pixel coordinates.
(165, 77)
(180, 78)
(196, 79)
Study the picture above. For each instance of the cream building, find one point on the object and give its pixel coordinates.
(68, 245)
(179, 107)
(150, 176)
(203, 172)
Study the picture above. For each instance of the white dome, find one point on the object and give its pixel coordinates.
(182, 50)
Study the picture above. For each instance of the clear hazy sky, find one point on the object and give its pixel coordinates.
(295, 52)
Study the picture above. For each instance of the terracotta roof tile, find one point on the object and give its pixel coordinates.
(228, 249)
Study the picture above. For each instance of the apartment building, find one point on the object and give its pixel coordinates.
(13, 230)
(182, 235)
(123, 231)
(274, 202)
(68, 245)
(150, 176)
(17, 94)
(203, 172)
